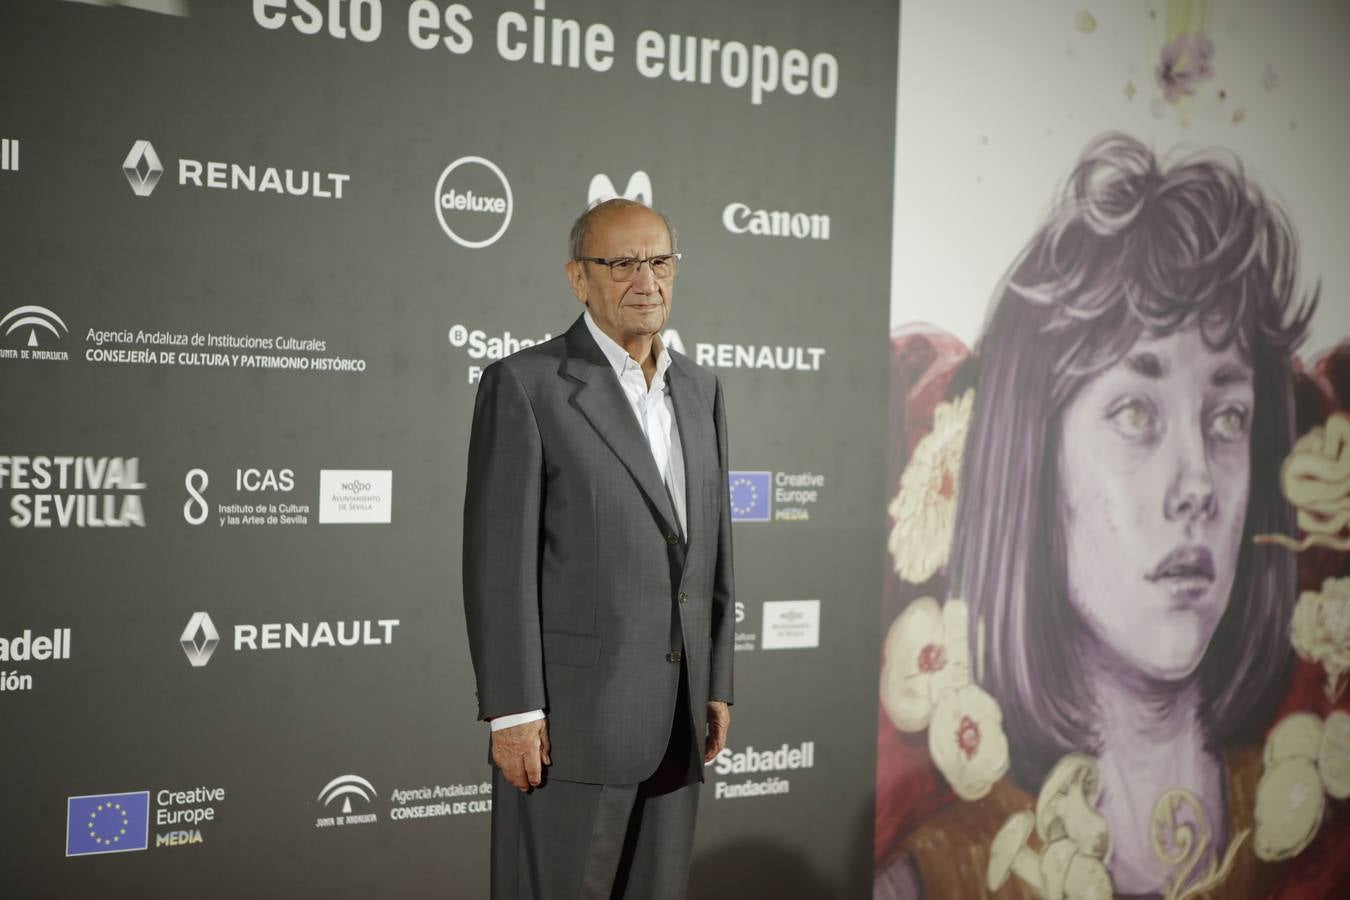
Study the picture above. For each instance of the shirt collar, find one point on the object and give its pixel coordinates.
(618, 358)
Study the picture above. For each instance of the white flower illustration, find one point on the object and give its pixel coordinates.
(924, 659)
(1320, 631)
(1333, 757)
(1289, 806)
(924, 509)
(967, 743)
(1315, 478)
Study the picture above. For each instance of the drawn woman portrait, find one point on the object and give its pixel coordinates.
(1131, 403)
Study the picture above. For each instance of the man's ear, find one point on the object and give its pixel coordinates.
(576, 276)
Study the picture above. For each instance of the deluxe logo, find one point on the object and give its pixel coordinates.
(73, 491)
(34, 318)
(143, 169)
(107, 823)
(473, 202)
(791, 624)
(345, 788)
(199, 639)
(739, 218)
(356, 496)
(601, 189)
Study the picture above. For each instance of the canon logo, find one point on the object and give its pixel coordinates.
(741, 219)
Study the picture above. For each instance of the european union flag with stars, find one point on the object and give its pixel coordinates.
(107, 823)
(750, 496)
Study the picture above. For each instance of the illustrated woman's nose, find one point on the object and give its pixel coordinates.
(1191, 494)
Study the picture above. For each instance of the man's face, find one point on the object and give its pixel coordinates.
(635, 309)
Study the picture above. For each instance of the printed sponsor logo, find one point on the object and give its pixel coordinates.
(37, 322)
(356, 496)
(9, 154)
(439, 800)
(346, 789)
(254, 488)
(639, 188)
(738, 218)
(179, 814)
(473, 202)
(760, 763)
(199, 639)
(484, 347)
(107, 823)
(73, 491)
(143, 169)
(774, 496)
(751, 496)
(124, 346)
(744, 640)
(27, 648)
(791, 624)
(119, 823)
(777, 357)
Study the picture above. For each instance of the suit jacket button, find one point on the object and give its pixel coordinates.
(672, 539)
(674, 657)
(683, 596)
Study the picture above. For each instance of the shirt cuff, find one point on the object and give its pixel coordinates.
(500, 722)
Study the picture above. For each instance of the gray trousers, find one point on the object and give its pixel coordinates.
(568, 840)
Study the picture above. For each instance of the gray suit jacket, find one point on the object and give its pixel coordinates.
(577, 584)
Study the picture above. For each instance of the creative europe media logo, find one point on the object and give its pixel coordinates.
(120, 823)
(774, 496)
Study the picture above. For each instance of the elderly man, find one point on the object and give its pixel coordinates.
(598, 581)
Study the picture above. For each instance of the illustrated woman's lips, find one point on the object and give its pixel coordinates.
(1185, 564)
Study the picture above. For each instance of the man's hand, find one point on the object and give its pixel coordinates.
(521, 752)
(719, 720)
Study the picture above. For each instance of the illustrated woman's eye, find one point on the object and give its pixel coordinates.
(1229, 423)
(1135, 418)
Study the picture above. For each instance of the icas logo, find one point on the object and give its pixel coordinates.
(33, 317)
(473, 202)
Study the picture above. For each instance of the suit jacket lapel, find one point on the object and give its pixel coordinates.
(601, 400)
(693, 421)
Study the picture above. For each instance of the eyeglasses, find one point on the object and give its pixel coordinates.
(626, 268)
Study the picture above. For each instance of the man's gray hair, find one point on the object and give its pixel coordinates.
(581, 228)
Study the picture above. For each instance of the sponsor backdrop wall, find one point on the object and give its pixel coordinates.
(255, 258)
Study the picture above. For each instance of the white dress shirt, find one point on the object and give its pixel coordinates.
(655, 414)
